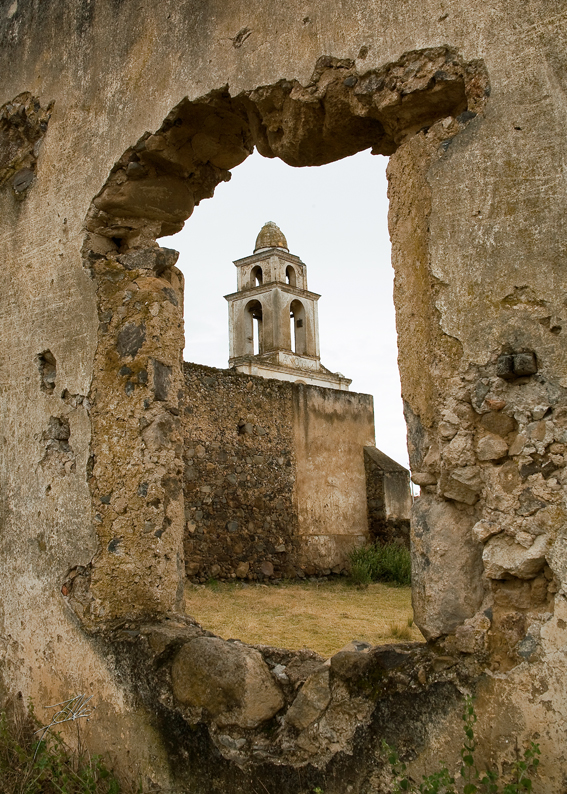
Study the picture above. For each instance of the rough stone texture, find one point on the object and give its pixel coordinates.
(268, 714)
(229, 680)
(388, 498)
(153, 105)
(136, 453)
(240, 474)
(491, 447)
(274, 483)
(444, 596)
(504, 557)
(311, 701)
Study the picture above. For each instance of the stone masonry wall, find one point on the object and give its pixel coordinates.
(117, 119)
(240, 514)
(387, 482)
(274, 476)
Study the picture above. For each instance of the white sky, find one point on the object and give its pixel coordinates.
(335, 219)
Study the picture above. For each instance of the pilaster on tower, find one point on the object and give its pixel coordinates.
(273, 318)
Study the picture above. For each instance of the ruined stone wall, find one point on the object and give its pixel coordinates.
(240, 501)
(116, 120)
(274, 476)
(388, 498)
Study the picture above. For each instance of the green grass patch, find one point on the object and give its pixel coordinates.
(388, 562)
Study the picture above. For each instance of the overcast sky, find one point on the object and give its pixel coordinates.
(335, 219)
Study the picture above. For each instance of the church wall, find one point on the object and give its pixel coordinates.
(331, 429)
(388, 498)
(240, 474)
(274, 476)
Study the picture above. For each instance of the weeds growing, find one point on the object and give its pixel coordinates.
(47, 766)
(388, 562)
(401, 632)
(470, 780)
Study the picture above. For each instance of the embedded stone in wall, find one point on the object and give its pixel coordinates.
(228, 680)
(311, 701)
(23, 124)
(444, 595)
(503, 556)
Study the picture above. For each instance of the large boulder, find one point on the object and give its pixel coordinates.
(446, 567)
(227, 681)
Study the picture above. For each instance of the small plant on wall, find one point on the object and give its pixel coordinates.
(469, 779)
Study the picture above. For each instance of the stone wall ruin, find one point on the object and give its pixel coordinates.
(275, 483)
(469, 105)
(151, 190)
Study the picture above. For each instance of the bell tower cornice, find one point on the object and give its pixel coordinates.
(266, 253)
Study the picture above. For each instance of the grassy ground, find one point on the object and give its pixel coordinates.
(321, 616)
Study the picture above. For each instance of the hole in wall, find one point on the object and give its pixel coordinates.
(154, 186)
(47, 366)
(335, 220)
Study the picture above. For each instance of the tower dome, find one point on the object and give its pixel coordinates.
(271, 236)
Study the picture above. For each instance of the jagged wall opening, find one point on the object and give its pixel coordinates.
(427, 96)
(479, 277)
(468, 449)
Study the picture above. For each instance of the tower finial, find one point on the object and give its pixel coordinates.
(271, 236)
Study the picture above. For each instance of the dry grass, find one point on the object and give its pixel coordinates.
(321, 616)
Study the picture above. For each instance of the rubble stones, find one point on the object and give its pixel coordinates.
(155, 259)
(484, 529)
(498, 423)
(471, 636)
(22, 180)
(504, 557)
(242, 570)
(491, 447)
(516, 365)
(266, 568)
(311, 701)
(249, 512)
(461, 485)
(130, 340)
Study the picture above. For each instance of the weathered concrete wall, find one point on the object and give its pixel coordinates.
(331, 429)
(470, 101)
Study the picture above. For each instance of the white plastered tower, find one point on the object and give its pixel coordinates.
(273, 319)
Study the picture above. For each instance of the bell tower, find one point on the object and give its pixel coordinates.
(273, 319)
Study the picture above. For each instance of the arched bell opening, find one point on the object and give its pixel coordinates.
(256, 276)
(291, 276)
(254, 328)
(298, 327)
